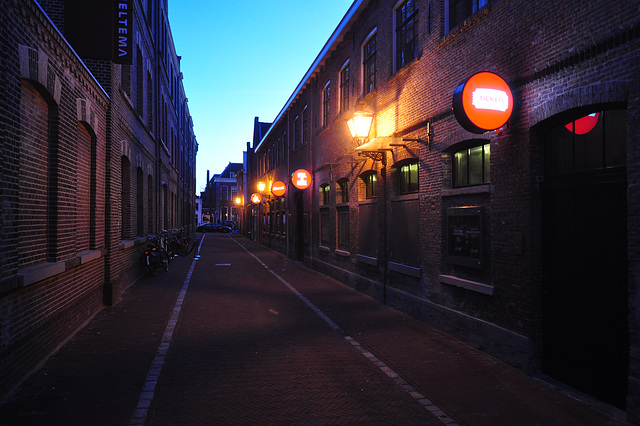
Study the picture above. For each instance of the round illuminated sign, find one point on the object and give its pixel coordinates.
(584, 125)
(278, 188)
(256, 198)
(483, 103)
(301, 179)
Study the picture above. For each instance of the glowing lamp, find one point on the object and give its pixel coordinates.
(360, 122)
(261, 186)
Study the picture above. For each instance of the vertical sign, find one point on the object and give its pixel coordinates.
(122, 51)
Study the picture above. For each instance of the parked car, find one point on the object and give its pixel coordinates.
(231, 224)
(213, 227)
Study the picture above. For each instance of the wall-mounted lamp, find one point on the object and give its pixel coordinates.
(262, 186)
(360, 122)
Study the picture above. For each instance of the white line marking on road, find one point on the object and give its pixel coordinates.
(403, 384)
(139, 416)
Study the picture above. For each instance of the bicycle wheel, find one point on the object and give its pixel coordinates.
(153, 266)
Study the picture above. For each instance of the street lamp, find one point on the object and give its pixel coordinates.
(360, 122)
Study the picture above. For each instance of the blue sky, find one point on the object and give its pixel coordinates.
(243, 59)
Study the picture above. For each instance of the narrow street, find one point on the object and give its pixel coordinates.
(244, 336)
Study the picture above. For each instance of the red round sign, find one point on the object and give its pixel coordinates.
(278, 188)
(301, 179)
(482, 103)
(256, 198)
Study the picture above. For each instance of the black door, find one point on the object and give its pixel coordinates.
(299, 225)
(586, 342)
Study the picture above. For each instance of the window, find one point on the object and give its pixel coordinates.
(369, 64)
(344, 88)
(305, 125)
(326, 110)
(408, 178)
(325, 230)
(370, 185)
(343, 228)
(406, 33)
(324, 194)
(343, 185)
(471, 166)
(588, 143)
(456, 11)
(296, 133)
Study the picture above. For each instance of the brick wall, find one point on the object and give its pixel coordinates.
(556, 58)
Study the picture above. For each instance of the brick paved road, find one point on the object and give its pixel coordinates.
(244, 336)
(247, 350)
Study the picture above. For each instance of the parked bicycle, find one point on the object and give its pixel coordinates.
(156, 256)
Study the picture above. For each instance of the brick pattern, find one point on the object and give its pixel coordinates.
(67, 125)
(555, 61)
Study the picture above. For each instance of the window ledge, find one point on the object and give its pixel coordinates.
(373, 261)
(37, 273)
(324, 248)
(467, 284)
(404, 269)
(342, 253)
(89, 256)
(126, 244)
(480, 189)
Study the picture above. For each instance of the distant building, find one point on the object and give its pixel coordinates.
(221, 193)
(497, 194)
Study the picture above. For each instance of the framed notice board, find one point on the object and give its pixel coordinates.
(465, 236)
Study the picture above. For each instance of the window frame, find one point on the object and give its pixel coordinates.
(471, 6)
(405, 22)
(370, 185)
(408, 186)
(485, 165)
(343, 80)
(369, 63)
(326, 104)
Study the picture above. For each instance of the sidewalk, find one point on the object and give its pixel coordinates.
(248, 350)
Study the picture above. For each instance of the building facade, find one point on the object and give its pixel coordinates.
(517, 236)
(98, 151)
(221, 193)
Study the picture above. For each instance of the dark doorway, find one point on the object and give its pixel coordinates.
(586, 339)
(298, 199)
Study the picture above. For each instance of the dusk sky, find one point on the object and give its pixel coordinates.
(242, 60)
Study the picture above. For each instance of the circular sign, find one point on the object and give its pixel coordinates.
(278, 188)
(482, 103)
(256, 198)
(301, 179)
(584, 125)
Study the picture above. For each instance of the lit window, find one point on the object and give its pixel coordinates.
(471, 166)
(406, 33)
(369, 64)
(370, 185)
(343, 184)
(324, 194)
(408, 178)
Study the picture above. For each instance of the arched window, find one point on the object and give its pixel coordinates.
(343, 190)
(324, 194)
(369, 185)
(407, 177)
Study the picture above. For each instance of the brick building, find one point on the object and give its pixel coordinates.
(221, 193)
(520, 237)
(98, 151)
